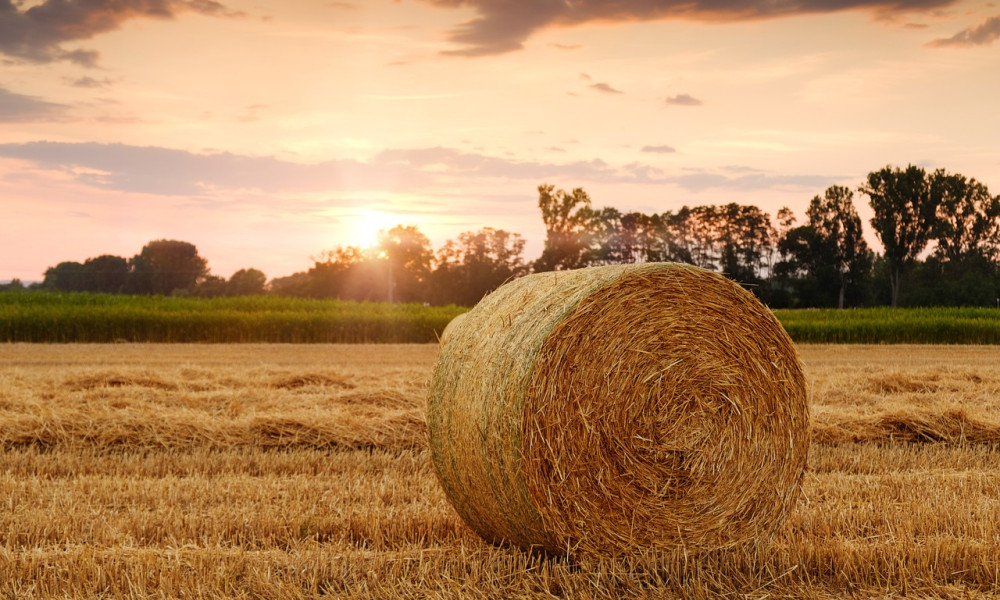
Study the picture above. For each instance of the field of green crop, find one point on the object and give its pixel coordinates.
(885, 325)
(51, 317)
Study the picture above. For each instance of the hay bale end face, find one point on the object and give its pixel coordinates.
(617, 410)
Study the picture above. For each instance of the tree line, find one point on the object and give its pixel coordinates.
(162, 267)
(940, 232)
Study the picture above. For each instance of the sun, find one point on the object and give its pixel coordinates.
(370, 223)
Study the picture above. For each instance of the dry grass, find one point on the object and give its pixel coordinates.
(144, 471)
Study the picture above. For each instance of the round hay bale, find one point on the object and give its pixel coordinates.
(450, 328)
(618, 410)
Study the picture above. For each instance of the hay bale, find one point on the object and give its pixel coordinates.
(450, 328)
(621, 409)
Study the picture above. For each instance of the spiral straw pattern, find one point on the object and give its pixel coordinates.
(617, 410)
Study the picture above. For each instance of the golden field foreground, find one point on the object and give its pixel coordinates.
(297, 471)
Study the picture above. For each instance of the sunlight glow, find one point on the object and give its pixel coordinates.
(370, 223)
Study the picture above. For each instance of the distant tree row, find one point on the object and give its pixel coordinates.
(403, 268)
(940, 233)
(162, 267)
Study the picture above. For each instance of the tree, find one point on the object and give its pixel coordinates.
(67, 276)
(296, 285)
(604, 234)
(632, 237)
(735, 239)
(407, 256)
(680, 235)
(968, 219)
(568, 220)
(15, 285)
(694, 236)
(905, 206)
(212, 286)
(105, 274)
(786, 220)
(744, 234)
(165, 266)
(838, 236)
(784, 270)
(971, 281)
(475, 265)
(826, 261)
(246, 282)
(395, 270)
(346, 272)
(803, 269)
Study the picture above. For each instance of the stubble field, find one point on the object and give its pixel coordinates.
(297, 471)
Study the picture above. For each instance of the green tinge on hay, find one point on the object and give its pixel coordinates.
(619, 409)
(519, 315)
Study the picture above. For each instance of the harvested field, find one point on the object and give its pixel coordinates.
(293, 471)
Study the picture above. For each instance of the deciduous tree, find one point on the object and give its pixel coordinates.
(246, 282)
(568, 220)
(632, 237)
(968, 218)
(166, 266)
(67, 276)
(106, 274)
(407, 253)
(905, 207)
(839, 238)
(341, 273)
(475, 264)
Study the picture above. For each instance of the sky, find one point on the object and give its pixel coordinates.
(268, 132)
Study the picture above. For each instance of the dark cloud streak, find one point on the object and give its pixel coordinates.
(503, 25)
(38, 33)
(605, 88)
(18, 108)
(90, 82)
(684, 100)
(983, 35)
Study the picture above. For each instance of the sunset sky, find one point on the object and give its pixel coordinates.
(267, 132)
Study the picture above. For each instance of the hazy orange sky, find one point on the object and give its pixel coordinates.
(267, 132)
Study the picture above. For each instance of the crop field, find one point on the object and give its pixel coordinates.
(44, 317)
(47, 317)
(301, 471)
(884, 325)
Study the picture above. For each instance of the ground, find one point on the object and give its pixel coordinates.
(296, 471)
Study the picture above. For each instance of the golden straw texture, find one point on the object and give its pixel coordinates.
(617, 410)
(450, 328)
